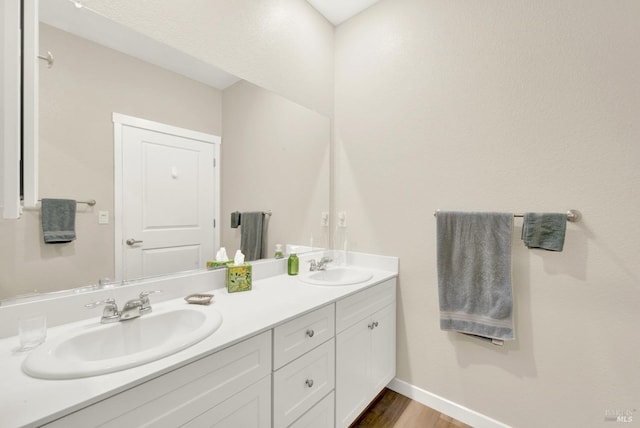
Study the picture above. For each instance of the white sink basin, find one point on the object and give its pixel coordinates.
(104, 348)
(336, 276)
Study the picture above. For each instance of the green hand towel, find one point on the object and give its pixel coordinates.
(544, 230)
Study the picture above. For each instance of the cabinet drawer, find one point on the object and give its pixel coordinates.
(355, 308)
(320, 416)
(174, 398)
(302, 383)
(294, 338)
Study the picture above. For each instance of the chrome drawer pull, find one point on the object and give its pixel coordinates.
(309, 382)
(310, 333)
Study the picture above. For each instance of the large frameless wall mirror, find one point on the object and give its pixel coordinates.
(274, 153)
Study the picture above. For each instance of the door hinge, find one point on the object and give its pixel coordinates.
(214, 223)
(214, 162)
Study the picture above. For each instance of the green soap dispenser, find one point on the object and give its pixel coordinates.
(293, 263)
(278, 254)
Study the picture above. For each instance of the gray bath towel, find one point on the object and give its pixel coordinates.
(253, 232)
(474, 273)
(58, 220)
(544, 230)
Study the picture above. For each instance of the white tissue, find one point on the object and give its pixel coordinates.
(221, 255)
(238, 259)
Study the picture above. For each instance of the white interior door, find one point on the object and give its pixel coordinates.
(169, 201)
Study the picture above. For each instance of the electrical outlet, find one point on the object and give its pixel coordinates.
(342, 219)
(324, 219)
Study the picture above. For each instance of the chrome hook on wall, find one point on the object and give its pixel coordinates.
(48, 58)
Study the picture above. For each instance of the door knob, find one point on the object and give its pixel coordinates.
(130, 242)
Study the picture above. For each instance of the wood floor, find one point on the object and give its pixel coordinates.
(393, 410)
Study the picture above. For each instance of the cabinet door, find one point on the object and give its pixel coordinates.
(360, 306)
(250, 408)
(383, 349)
(365, 363)
(352, 378)
(176, 397)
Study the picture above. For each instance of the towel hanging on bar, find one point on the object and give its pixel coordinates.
(572, 215)
(58, 220)
(90, 202)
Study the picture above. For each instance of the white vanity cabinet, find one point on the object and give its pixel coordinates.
(365, 348)
(304, 367)
(320, 369)
(230, 388)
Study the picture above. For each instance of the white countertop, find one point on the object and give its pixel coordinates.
(30, 402)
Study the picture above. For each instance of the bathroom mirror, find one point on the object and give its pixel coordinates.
(274, 155)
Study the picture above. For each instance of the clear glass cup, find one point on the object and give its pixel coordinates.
(32, 331)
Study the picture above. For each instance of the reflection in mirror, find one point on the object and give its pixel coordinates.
(274, 156)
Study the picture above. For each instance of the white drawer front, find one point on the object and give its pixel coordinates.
(174, 398)
(320, 416)
(302, 383)
(355, 308)
(294, 338)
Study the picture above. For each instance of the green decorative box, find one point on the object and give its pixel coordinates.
(214, 264)
(239, 278)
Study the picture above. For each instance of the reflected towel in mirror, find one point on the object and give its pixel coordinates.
(253, 235)
(58, 220)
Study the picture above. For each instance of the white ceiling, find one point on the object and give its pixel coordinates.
(338, 11)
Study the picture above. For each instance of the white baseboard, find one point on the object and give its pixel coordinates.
(442, 405)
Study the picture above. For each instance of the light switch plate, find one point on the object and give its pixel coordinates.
(103, 217)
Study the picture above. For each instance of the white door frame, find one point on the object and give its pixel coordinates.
(121, 120)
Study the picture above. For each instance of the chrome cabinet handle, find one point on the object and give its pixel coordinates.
(373, 325)
(309, 382)
(310, 333)
(130, 242)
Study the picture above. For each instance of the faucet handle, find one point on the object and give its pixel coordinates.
(146, 304)
(314, 265)
(110, 312)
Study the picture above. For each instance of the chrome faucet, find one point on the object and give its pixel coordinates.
(146, 304)
(131, 309)
(110, 313)
(319, 265)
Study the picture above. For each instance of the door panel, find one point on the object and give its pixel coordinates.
(168, 203)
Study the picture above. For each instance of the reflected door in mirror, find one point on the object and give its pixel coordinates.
(168, 210)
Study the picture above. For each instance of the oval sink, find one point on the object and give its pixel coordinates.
(337, 276)
(106, 348)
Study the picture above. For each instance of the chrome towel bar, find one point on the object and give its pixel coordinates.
(90, 202)
(572, 215)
